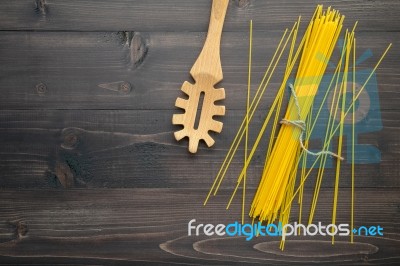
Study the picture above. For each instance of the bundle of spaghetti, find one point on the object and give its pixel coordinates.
(321, 38)
(289, 150)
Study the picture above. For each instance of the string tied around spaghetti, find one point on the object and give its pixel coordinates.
(302, 125)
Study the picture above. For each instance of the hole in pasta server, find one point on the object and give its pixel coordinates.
(199, 110)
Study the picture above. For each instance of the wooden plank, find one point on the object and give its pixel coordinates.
(181, 15)
(108, 226)
(76, 67)
(91, 173)
(85, 148)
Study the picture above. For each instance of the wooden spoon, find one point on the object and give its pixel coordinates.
(206, 72)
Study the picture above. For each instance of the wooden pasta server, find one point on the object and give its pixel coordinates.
(206, 72)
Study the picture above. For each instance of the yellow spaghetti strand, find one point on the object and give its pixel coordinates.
(321, 167)
(278, 100)
(338, 162)
(304, 165)
(262, 130)
(247, 118)
(331, 123)
(278, 111)
(253, 110)
(284, 217)
(352, 144)
(254, 104)
(280, 91)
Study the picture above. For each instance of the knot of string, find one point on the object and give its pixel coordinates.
(302, 126)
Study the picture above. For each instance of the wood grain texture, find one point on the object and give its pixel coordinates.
(85, 70)
(114, 149)
(183, 15)
(90, 172)
(104, 226)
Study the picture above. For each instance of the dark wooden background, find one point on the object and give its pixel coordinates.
(89, 170)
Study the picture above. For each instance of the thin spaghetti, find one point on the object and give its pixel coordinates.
(247, 119)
